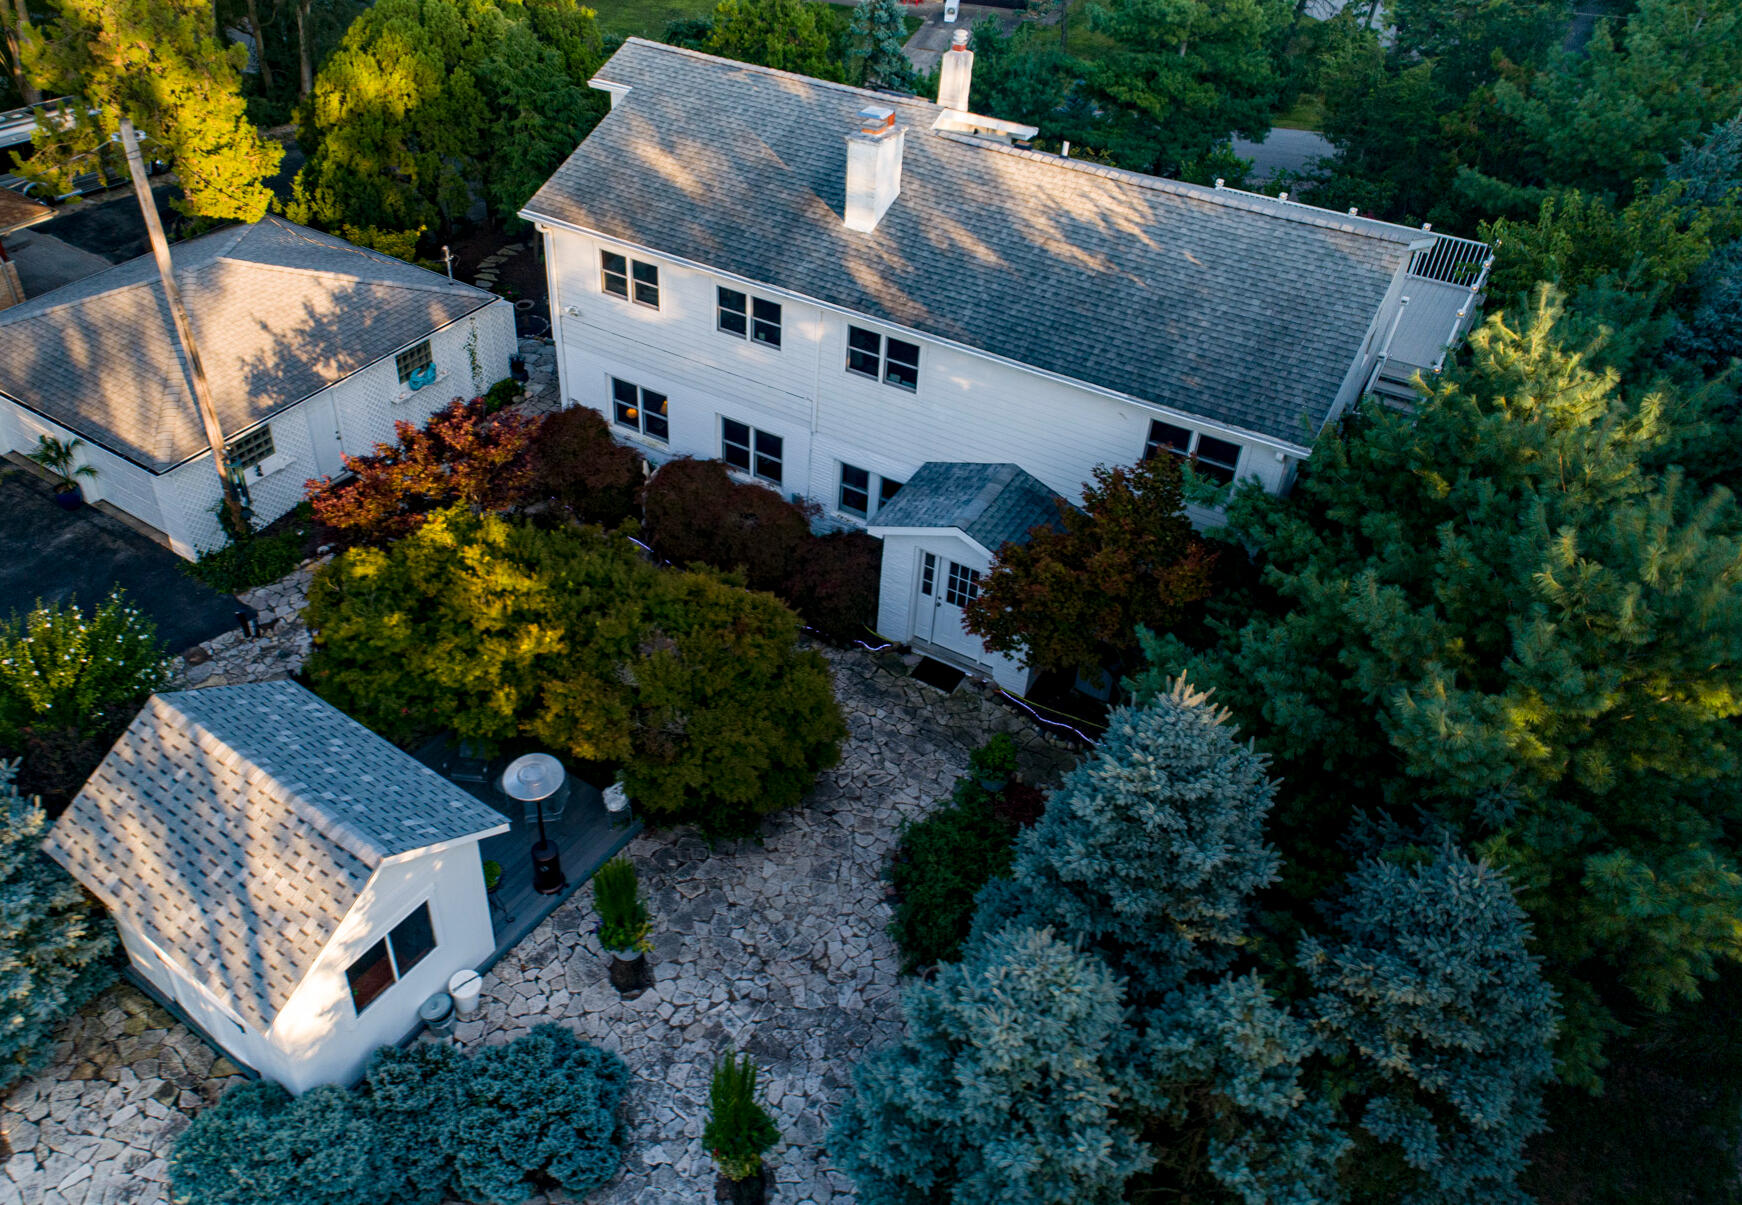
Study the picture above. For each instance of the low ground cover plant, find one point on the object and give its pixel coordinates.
(427, 1124)
(258, 559)
(498, 629)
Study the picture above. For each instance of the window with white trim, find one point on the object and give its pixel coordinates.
(391, 959)
(863, 492)
(414, 361)
(963, 585)
(883, 358)
(628, 278)
(751, 451)
(747, 317)
(928, 568)
(1211, 458)
(640, 410)
(246, 451)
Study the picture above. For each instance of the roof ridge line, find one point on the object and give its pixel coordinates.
(460, 288)
(775, 72)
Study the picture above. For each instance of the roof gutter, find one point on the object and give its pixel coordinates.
(544, 221)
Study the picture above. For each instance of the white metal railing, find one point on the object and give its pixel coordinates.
(1451, 259)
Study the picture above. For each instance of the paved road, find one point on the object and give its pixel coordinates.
(47, 553)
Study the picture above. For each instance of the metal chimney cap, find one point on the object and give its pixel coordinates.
(874, 119)
(533, 777)
(960, 40)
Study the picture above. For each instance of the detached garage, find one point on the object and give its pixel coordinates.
(314, 348)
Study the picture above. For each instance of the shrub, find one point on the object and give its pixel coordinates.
(696, 514)
(56, 761)
(577, 463)
(56, 946)
(501, 395)
(995, 760)
(739, 1130)
(940, 863)
(498, 629)
(59, 669)
(624, 921)
(259, 560)
(833, 584)
(463, 454)
(427, 1124)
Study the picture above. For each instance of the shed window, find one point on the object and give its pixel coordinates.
(963, 586)
(413, 361)
(246, 451)
(928, 568)
(391, 959)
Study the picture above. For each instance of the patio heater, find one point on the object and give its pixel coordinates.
(533, 779)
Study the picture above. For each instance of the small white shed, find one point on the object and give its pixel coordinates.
(295, 884)
(314, 349)
(940, 535)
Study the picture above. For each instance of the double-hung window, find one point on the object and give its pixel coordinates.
(863, 492)
(391, 959)
(744, 316)
(621, 276)
(751, 451)
(1211, 458)
(640, 410)
(883, 358)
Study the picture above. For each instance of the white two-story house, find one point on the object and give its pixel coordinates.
(831, 288)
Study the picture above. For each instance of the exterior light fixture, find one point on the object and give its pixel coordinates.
(533, 779)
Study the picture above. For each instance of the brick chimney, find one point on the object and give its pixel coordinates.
(873, 167)
(956, 73)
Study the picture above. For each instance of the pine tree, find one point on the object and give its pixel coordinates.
(1008, 1086)
(160, 63)
(1497, 609)
(54, 948)
(1441, 1026)
(1151, 849)
(874, 55)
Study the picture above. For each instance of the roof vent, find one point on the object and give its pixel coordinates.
(873, 167)
(956, 73)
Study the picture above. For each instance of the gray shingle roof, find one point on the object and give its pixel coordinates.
(237, 825)
(1241, 310)
(994, 504)
(279, 312)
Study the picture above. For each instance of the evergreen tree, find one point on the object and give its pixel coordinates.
(782, 34)
(1708, 180)
(1151, 849)
(160, 63)
(874, 55)
(1008, 1085)
(54, 948)
(1439, 1022)
(1497, 610)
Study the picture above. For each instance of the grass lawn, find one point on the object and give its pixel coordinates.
(1308, 113)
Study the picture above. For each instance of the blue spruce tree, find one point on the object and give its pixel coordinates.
(1439, 1023)
(54, 949)
(1012, 1084)
(874, 41)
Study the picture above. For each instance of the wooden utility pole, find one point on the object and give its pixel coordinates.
(202, 391)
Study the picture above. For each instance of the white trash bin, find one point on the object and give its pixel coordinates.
(464, 987)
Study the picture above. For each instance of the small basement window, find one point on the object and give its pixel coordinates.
(391, 959)
(413, 361)
(246, 451)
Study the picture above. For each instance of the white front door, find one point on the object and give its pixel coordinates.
(945, 587)
(329, 445)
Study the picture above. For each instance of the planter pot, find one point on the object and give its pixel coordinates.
(630, 976)
(517, 368)
(69, 499)
(752, 1190)
(994, 785)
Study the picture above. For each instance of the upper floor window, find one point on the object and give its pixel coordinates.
(751, 451)
(641, 410)
(391, 959)
(863, 492)
(886, 358)
(752, 317)
(415, 362)
(246, 451)
(625, 277)
(1213, 459)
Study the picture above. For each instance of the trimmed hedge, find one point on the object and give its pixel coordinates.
(576, 463)
(426, 1124)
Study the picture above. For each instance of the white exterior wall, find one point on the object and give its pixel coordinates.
(898, 595)
(968, 407)
(350, 417)
(119, 482)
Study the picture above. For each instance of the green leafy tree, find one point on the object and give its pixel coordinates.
(1439, 1020)
(1496, 609)
(58, 948)
(1073, 596)
(1008, 1085)
(160, 63)
(782, 34)
(63, 670)
(874, 56)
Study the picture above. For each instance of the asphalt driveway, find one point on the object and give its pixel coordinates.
(47, 553)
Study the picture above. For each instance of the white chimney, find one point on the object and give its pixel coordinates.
(956, 73)
(873, 167)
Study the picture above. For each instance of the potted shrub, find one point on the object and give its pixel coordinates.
(58, 458)
(623, 925)
(993, 763)
(739, 1131)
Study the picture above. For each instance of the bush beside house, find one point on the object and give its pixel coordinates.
(426, 1124)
